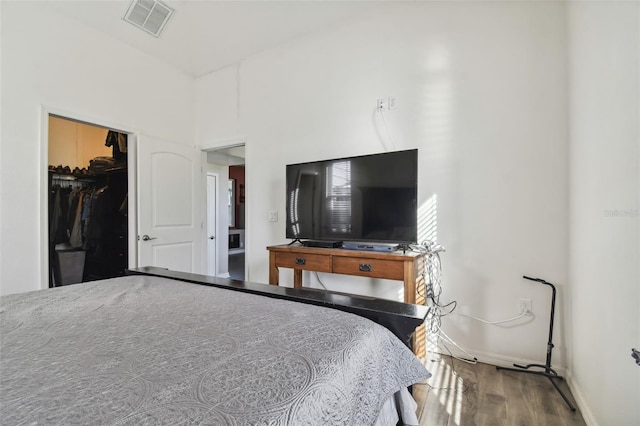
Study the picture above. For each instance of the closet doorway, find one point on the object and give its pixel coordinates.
(88, 188)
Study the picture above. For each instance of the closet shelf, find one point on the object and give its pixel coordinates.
(90, 175)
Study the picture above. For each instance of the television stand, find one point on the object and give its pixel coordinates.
(406, 267)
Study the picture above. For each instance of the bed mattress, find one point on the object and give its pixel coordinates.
(149, 350)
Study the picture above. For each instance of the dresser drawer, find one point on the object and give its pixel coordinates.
(314, 262)
(377, 268)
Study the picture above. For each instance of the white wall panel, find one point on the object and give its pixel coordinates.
(49, 60)
(604, 250)
(481, 92)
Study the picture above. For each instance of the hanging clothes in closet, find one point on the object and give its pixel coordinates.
(66, 257)
(88, 227)
(107, 223)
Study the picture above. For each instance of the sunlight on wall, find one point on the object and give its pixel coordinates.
(428, 231)
(436, 116)
(428, 220)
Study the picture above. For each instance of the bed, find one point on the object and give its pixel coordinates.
(163, 347)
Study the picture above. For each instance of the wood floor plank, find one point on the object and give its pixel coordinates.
(461, 394)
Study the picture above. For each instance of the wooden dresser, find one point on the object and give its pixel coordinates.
(407, 267)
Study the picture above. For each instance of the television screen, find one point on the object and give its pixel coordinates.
(369, 198)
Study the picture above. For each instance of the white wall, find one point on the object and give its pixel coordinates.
(216, 125)
(481, 91)
(604, 211)
(52, 61)
(216, 117)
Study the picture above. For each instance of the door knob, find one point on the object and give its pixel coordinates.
(213, 237)
(145, 237)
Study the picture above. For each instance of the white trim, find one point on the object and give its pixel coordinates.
(247, 202)
(206, 221)
(224, 143)
(45, 112)
(581, 402)
(87, 119)
(132, 199)
(43, 230)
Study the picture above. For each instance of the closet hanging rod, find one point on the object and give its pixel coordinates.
(71, 178)
(63, 177)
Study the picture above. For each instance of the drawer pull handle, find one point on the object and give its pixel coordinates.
(300, 261)
(365, 267)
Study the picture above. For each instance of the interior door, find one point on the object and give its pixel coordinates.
(169, 205)
(212, 193)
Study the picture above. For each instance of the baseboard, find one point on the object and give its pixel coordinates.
(581, 402)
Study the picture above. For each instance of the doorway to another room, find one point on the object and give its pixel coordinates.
(228, 164)
(236, 221)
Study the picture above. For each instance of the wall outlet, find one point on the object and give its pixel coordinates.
(382, 104)
(525, 306)
(272, 216)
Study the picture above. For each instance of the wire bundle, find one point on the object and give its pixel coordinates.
(430, 289)
(429, 293)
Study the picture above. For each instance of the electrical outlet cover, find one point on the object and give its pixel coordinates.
(525, 305)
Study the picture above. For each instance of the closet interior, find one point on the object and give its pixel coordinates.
(88, 197)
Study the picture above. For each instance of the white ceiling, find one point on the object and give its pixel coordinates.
(206, 35)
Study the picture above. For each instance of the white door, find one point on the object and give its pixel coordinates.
(212, 186)
(169, 205)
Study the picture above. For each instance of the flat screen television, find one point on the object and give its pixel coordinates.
(369, 198)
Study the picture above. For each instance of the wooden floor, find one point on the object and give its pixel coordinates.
(461, 394)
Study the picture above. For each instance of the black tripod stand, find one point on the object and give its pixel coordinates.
(548, 371)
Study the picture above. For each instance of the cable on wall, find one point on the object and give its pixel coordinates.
(431, 292)
(522, 314)
(379, 110)
(393, 143)
(315, 273)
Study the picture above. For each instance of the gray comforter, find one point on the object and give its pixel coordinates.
(145, 350)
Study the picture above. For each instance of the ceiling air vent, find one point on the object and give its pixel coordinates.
(149, 15)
